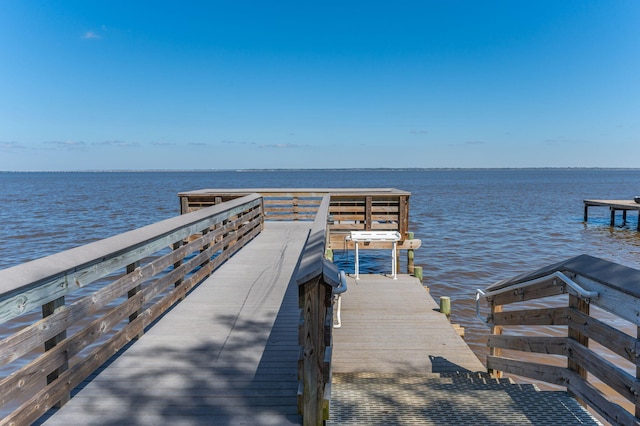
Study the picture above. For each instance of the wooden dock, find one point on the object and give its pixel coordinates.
(614, 206)
(225, 355)
(405, 333)
(220, 317)
(398, 361)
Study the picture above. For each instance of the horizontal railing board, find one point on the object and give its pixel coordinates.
(537, 291)
(533, 344)
(71, 378)
(219, 232)
(28, 286)
(543, 316)
(610, 374)
(613, 339)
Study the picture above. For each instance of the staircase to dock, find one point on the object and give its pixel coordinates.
(398, 361)
(448, 399)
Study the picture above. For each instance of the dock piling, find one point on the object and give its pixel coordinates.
(445, 306)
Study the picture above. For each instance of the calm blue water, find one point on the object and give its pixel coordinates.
(477, 226)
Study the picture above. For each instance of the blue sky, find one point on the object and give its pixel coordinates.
(241, 84)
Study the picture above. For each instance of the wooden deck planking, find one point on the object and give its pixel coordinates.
(227, 354)
(394, 326)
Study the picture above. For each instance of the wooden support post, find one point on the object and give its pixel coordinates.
(613, 216)
(204, 247)
(403, 215)
(313, 300)
(581, 305)
(176, 265)
(586, 212)
(130, 269)
(367, 213)
(417, 272)
(49, 309)
(328, 254)
(638, 227)
(445, 306)
(410, 256)
(637, 409)
(497, 330)
(184, 205)
(624, 217)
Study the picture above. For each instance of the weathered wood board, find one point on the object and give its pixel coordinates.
(227, 354)
(393, 326)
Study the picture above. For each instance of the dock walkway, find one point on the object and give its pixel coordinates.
(398, 361)
(226, 355)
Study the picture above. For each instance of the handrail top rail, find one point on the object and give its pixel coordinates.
(311, 263)
(31, 274)
(607, 273)
(318, 192)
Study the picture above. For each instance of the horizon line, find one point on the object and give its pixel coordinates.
(271, 169)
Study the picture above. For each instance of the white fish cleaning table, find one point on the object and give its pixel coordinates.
(379, 236)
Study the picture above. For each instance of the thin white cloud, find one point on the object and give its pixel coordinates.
(66, 144)
(419, 132)
(474, 142)
(228, 142)
(8, 146)
(90, 35)
(118, 143)
(282, 145)
(160, 143)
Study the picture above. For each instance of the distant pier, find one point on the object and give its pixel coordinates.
(614, 206)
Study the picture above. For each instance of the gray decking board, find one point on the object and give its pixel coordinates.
(393, 326)
(227, 354)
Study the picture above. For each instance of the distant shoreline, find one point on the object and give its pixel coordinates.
(390, 169)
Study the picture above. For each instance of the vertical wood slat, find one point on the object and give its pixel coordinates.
(49, 309)
(296, 209)
(184, 205)
(177, 264)
(367, 212)
(131, 293)
(637, 348)
(410, 256)
(497, 330)
(582, 306)
(403, 216)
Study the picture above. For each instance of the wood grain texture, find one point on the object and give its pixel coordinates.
(226, 354)
(392, 326)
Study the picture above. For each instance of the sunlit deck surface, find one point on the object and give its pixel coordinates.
(398, 329)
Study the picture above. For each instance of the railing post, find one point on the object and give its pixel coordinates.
(176, 246)
(410, 256)
(296, 209)
(368, 206)
(637, 410)
(497, 330)
(49, 309)
(130, 269)
(582, 306)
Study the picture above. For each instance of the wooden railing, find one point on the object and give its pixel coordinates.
(614, 359)
(279, 204)
(64, 315)
(316, 278)
(350, 209)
